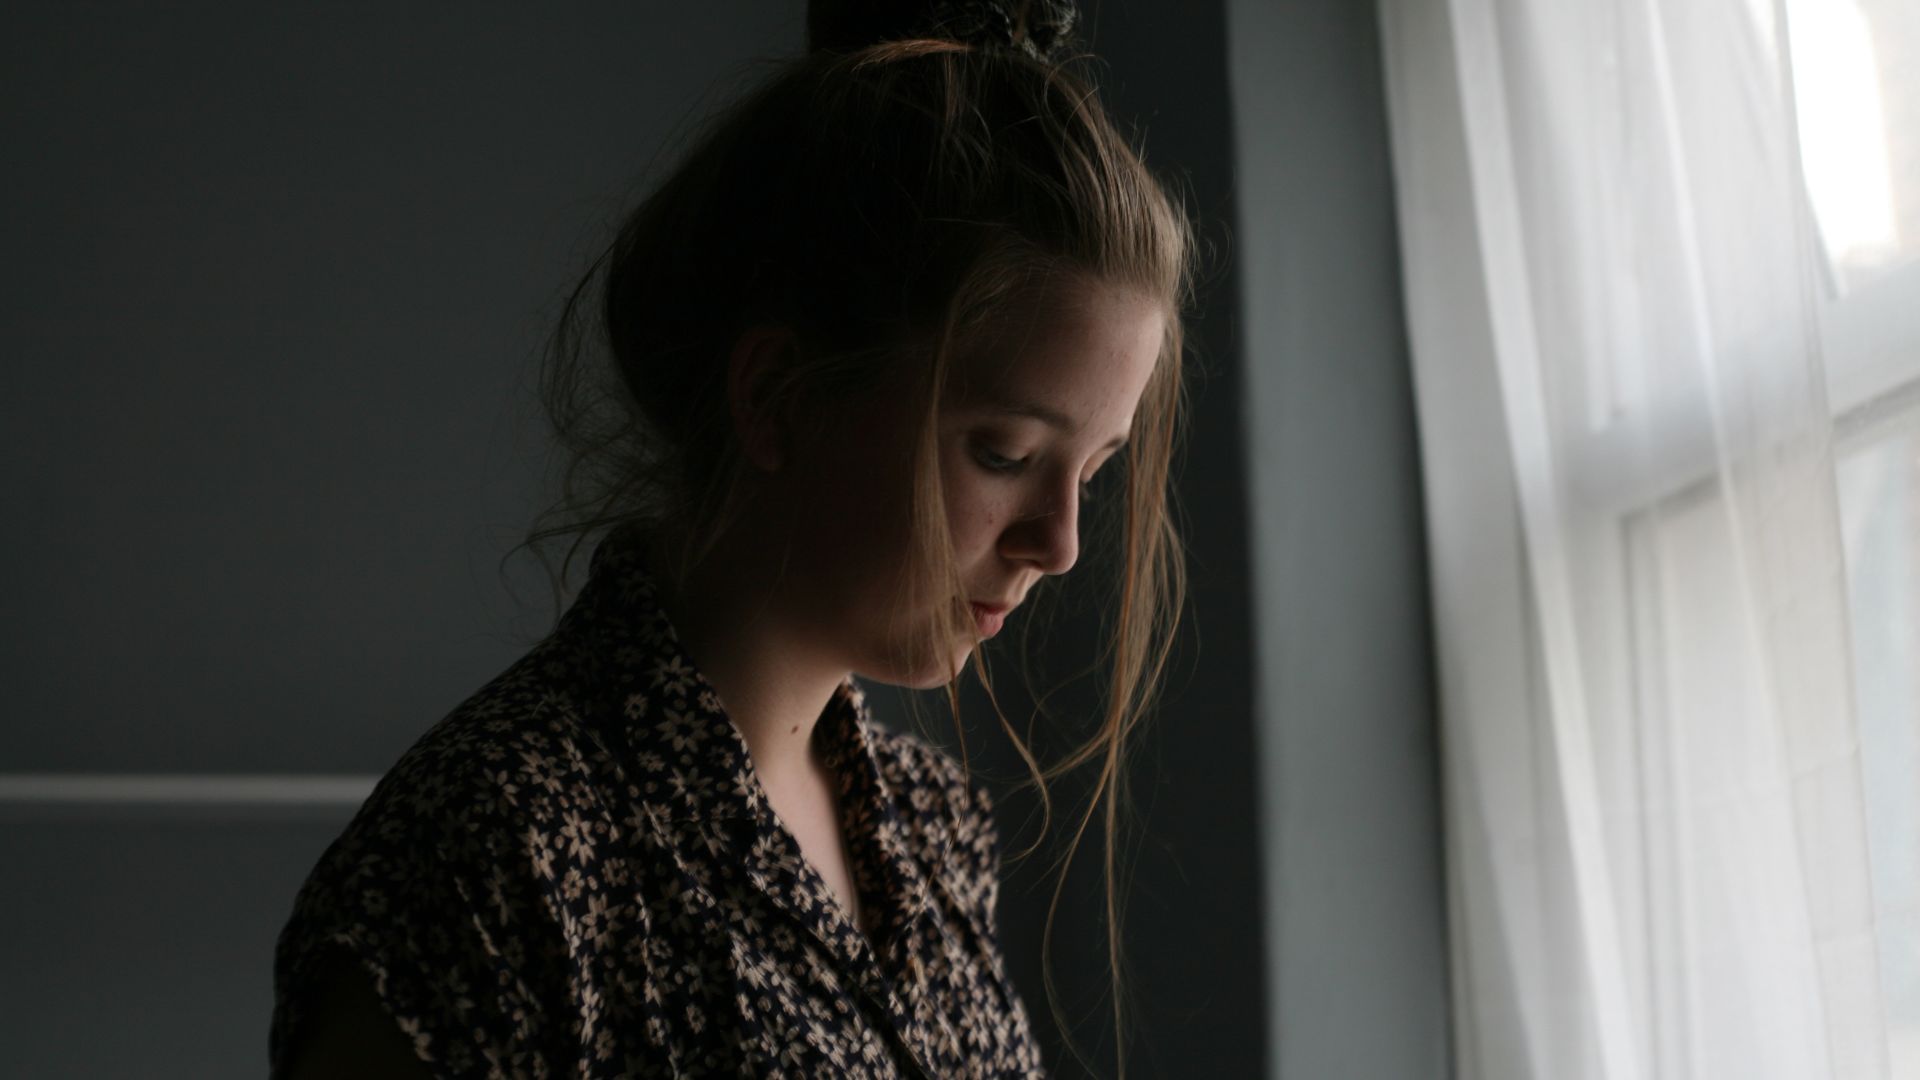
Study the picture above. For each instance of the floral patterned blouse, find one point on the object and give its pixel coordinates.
(578, 873)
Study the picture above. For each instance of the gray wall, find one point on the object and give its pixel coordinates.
(274, 281)
(1349, 762)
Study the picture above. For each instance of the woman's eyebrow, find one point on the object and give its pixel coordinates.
(1046, 414)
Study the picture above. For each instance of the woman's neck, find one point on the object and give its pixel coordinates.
(731, 622)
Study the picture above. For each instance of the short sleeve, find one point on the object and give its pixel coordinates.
(437, 894)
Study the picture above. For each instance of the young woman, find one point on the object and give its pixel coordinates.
(865, 350)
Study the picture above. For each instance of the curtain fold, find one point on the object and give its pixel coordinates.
(1657, 837)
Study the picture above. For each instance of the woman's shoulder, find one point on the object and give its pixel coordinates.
(479, 797)
(455, 865)
(498, 760)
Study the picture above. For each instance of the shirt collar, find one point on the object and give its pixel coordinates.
(686, 760)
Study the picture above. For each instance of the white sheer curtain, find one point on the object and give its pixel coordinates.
(1620, 296)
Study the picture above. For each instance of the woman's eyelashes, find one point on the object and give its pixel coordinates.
(993, 462)
(998, 463)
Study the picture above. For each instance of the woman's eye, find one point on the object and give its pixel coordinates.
(997, 463)
(994, 461)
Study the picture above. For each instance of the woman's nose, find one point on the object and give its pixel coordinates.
(1049, 537)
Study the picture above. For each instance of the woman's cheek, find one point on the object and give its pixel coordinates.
(981, 511)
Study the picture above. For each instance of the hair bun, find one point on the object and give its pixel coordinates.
(1042, 29)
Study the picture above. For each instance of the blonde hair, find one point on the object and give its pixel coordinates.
(892, 204)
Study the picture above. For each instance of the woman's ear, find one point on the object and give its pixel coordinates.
(753, 368)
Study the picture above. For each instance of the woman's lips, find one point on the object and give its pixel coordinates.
(987, 620)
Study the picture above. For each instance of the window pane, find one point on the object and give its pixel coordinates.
(1856, 72)
(1880, 508)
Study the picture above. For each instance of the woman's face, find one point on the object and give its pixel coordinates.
(1023, 426)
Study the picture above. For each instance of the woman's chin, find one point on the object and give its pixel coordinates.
(924, 676)
(934, 679)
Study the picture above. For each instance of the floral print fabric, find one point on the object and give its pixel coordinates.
(578, 873)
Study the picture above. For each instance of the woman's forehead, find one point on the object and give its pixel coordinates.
(1072, 363)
